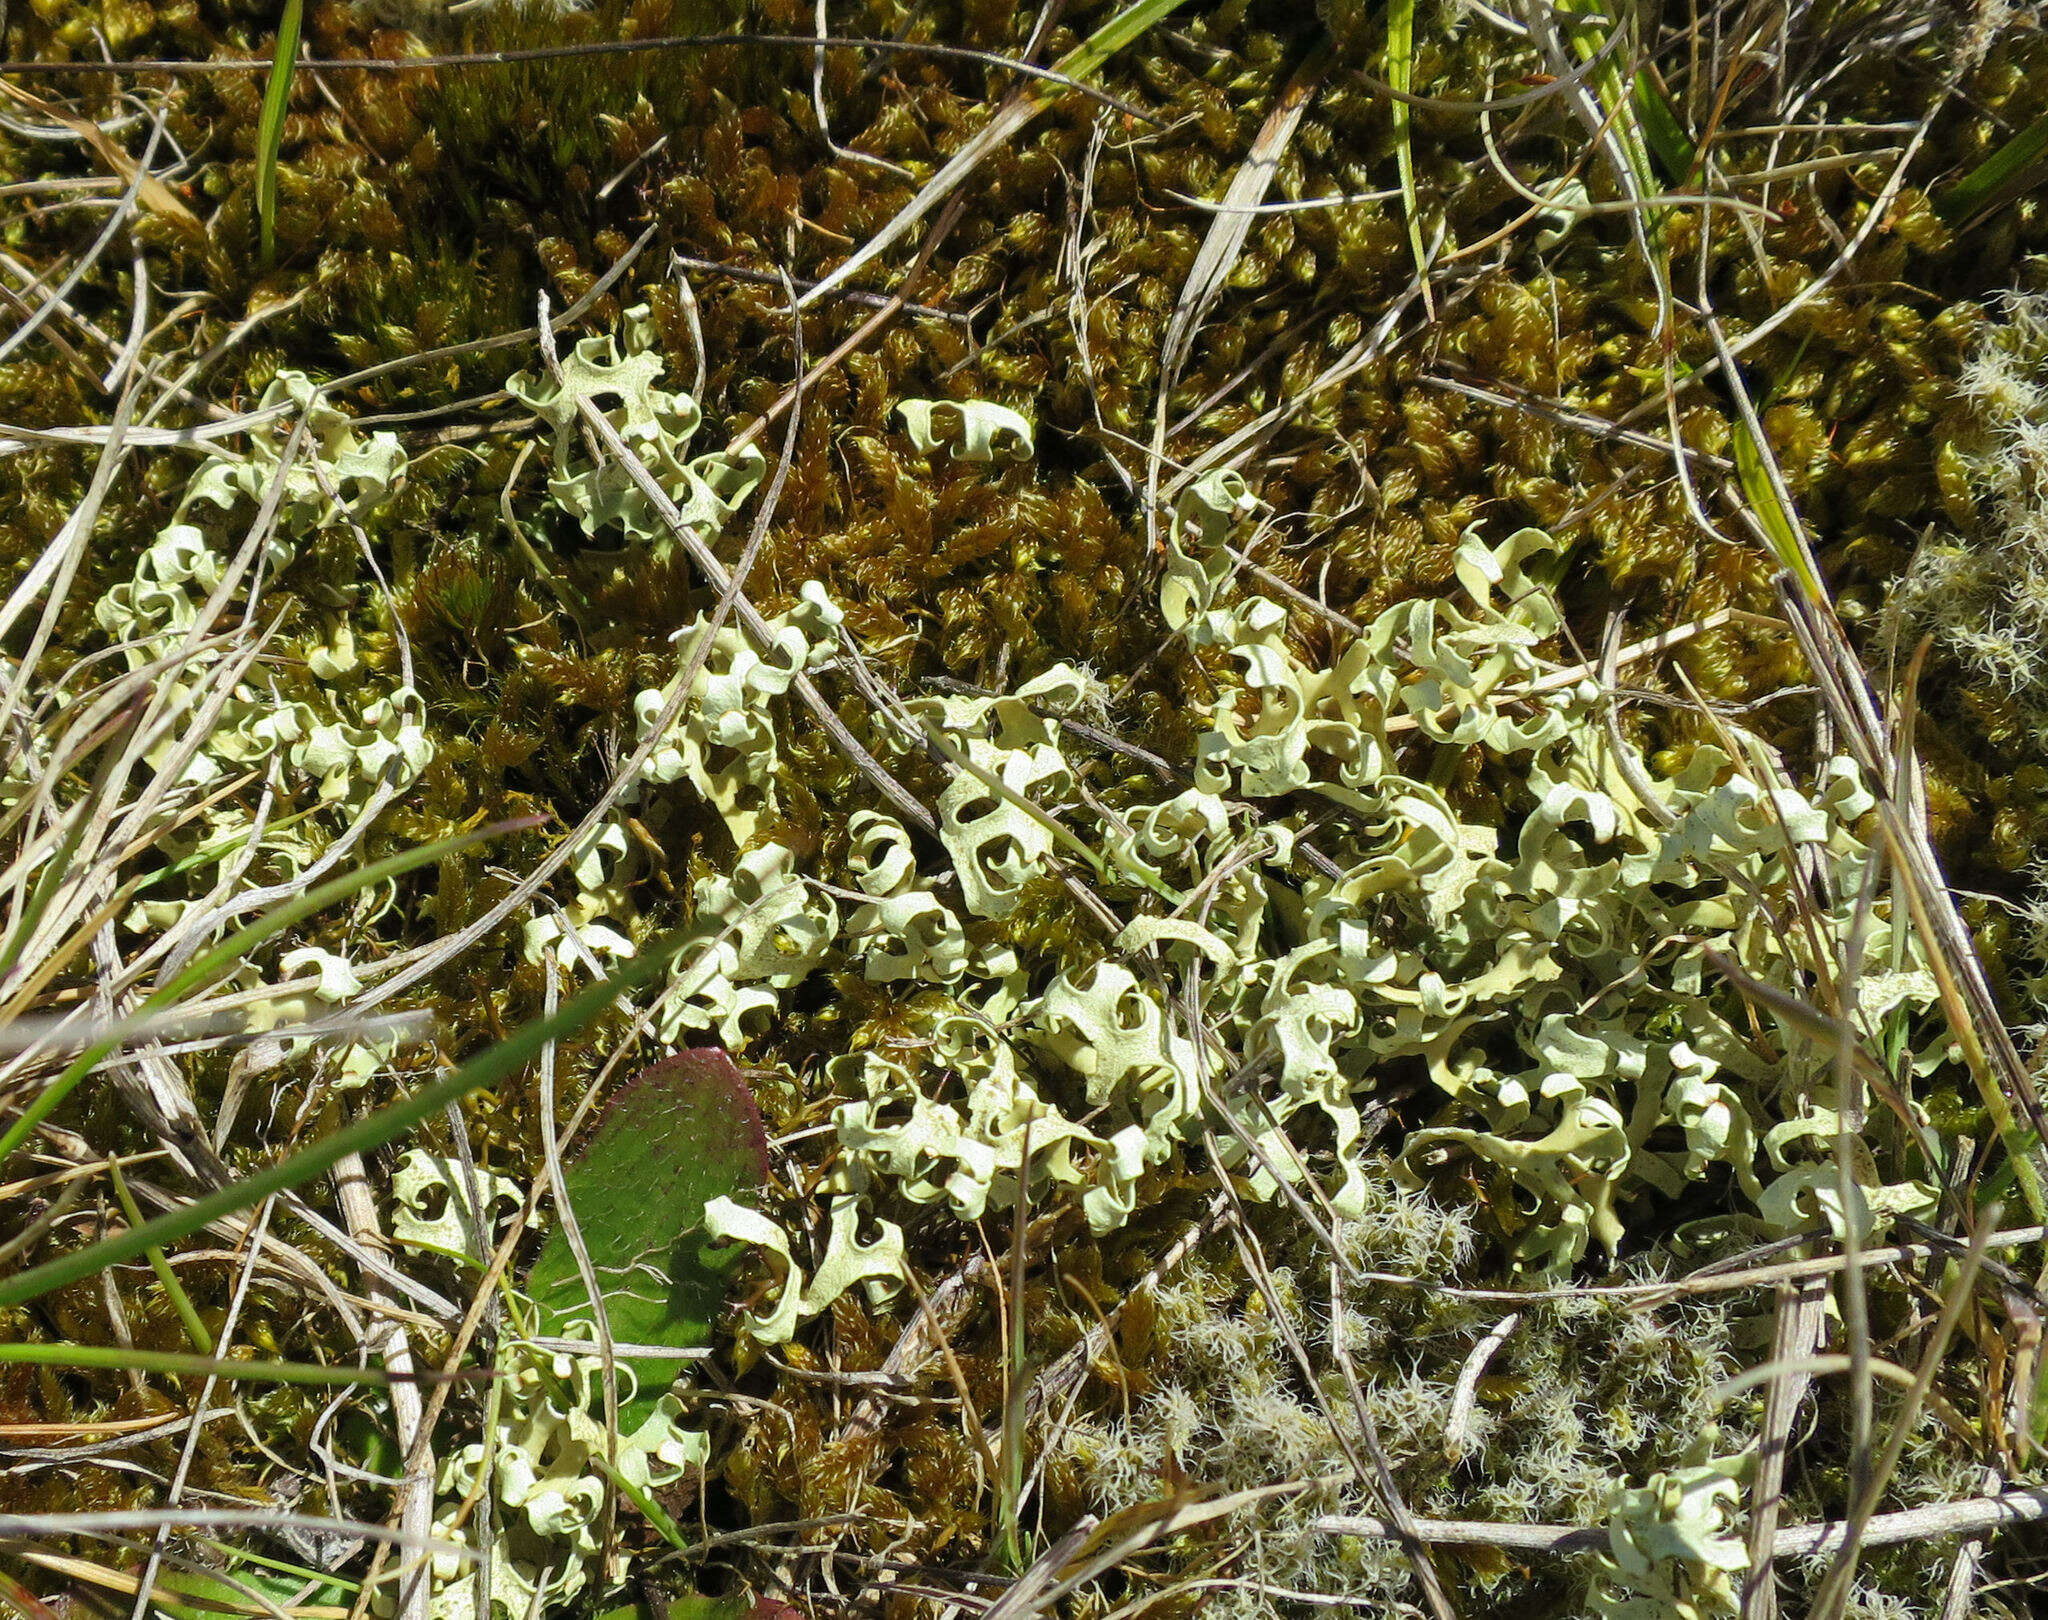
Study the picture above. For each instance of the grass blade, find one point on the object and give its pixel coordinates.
(1401, 75)
(193, 1595)
(1643, 122)
(1662, 132)
(1787, 543)
(1236, 211)
(277, 95)
(1113, 36)
(181, 1302)
(177, 1364)
(1999, 178)
(1016, 112)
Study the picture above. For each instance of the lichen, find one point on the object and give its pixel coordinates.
(950, 1015)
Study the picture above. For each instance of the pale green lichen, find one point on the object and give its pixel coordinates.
(543, 1459)
(1556, 987)
(975, 429)
(846, 1261)
(655, 423)
(1197, 564)
(437, 1206)
(1552, 980)
(1673, 1548)
(326, 739)
(334, 747)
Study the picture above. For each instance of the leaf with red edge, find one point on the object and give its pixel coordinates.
(677, 1135)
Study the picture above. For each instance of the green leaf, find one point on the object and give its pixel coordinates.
(213, 1598)
(682, 1133)
(689, 1606)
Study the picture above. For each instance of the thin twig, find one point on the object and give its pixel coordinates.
(1976, 1516)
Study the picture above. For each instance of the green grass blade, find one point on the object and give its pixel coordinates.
(249, 1593)
(366, 1135)
(650, 1509)
(48, 882)
(1113, 36)
(277, 95)
(1786, 541)
(173, 1363)
(1621, 100)
(181, 1302)
(1401, 75)
(1662, 132)
(227, 955)
(230, 1554)
(219, 848)
(1999, 178)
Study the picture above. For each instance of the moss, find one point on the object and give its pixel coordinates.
(429, 210)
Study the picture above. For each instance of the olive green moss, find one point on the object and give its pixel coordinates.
(429, 210)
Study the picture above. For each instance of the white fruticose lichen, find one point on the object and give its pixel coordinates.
(1221, 1397)
(1985, 594)
(1980, 588)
